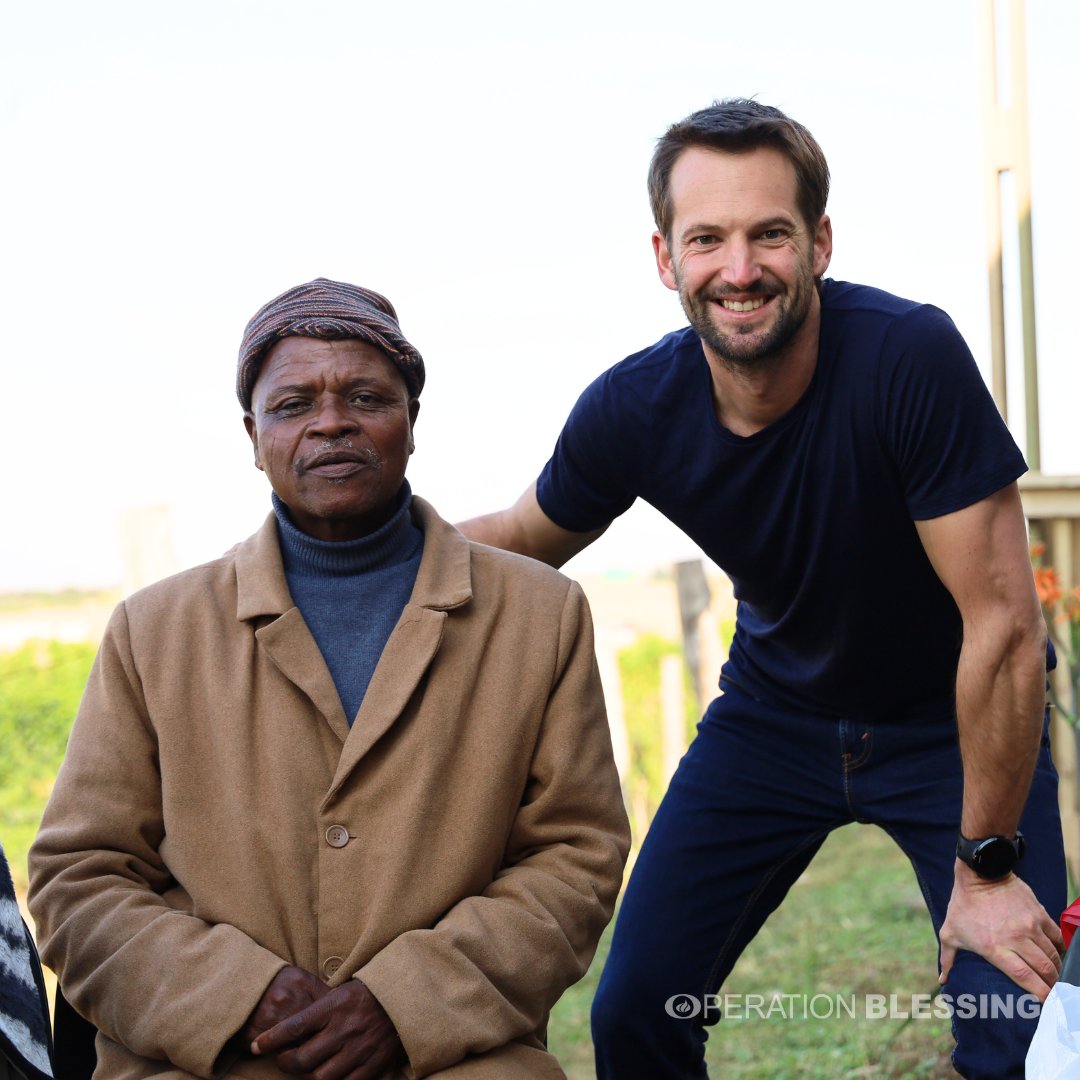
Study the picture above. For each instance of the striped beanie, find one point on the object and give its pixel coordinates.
(333, 311)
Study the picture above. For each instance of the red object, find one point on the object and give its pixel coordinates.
(1070, 921)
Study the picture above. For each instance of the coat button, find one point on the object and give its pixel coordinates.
(331, 964)
(337, 836)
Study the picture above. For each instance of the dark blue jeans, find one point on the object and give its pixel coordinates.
(751, 802)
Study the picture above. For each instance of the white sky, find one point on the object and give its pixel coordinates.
(168, 168)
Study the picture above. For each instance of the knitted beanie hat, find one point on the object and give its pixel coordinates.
(333, 311)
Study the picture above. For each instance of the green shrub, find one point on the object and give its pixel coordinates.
(639, 671)
(40, 688)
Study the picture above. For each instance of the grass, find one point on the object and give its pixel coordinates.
(854, 925)
(40, 687)
(66, 598)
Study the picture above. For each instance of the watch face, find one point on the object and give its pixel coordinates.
(994, 858)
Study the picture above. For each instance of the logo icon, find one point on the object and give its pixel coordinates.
(682, 1006)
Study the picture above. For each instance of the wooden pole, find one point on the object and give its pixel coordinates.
(1007, 150)
(673, 713)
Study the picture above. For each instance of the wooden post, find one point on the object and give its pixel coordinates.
(607, 660)
(1005, 124)
(1064, 550)
(712, 658)
(673, 713)
(147, 549)
(1052, 504)
(694, 597)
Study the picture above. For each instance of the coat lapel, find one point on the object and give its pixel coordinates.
(263, 597)
(443, 582)
(408, 653)
(289, 644)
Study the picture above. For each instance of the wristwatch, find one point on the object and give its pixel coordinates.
(992, 857)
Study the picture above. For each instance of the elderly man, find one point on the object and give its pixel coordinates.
(835, 450)
(341, 803)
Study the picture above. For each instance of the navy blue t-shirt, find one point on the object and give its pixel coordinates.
(812, 518)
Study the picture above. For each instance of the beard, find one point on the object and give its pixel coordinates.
(747, 348)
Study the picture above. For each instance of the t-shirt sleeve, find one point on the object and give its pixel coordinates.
(587, 482)
(949, 442)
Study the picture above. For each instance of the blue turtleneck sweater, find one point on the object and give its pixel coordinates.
(352, 592)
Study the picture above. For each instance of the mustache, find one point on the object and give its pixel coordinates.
(729, 292)
(338, 450)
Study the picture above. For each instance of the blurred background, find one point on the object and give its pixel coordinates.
(169, 168)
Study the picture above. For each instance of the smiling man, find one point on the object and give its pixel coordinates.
(834, 450)
(342, 803)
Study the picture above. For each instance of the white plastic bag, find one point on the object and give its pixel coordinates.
(1055, 1051)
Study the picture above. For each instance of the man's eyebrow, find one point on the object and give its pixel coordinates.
(366, 380)
(289, 388)
(775, 220)
(698, 228)
(703, 228)
(299, 387)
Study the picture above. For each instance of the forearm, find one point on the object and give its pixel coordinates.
(525, 529)
(1000, 700)
(981, 555)
(496, 529)
(163, 983)
(1000, 694)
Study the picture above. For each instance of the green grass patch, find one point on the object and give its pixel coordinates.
(66, 598)
(40, 688)
(854, 925)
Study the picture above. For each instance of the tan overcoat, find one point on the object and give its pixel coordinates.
(459, 849)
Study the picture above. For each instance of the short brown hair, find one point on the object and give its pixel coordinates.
(736, 125)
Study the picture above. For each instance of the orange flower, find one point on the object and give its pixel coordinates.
(1071, 606)
(1047, 585)
(1038, 551)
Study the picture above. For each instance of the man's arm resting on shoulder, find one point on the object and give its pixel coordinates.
(526, 529)
(981, 555)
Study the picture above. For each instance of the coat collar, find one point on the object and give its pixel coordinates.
(261, 588)
(443, 581)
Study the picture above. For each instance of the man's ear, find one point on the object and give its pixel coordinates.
(822, 246)
(664, 264)
(253, 435)
(414, 411)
